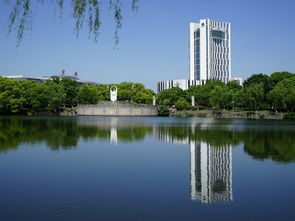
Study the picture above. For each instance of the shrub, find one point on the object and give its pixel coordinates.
(289, 115)
(163, 110)
(182, 104)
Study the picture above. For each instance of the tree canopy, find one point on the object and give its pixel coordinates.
(59, 93)
(260, 92)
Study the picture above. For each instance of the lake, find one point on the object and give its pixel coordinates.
(95, 168)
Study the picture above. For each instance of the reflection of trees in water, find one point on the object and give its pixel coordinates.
(64, 133)
(58, 133)
(279, 145)
(55, 133)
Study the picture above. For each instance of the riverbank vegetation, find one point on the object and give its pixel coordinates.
(17, 97)
(259, 92)
(274, 93)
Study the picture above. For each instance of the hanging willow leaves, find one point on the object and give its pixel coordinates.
(89, 11)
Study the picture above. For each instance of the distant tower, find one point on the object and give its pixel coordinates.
(210, 51)
(211, 173)
(76, 74)
(62, 72)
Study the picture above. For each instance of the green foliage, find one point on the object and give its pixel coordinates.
(103, 92)
(289, 115)
(21, 13)
(254, 96)
(283, 94)
(87, 94)
(135, 93)
(55, 94)
(11, 96)
(233, 85)
(163, 110)
(259, 92)
(71, 89)
(277, 77)
(182, 104)
(170, 96)
(59, 93)
(259, 79)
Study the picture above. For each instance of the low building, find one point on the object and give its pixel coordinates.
(184, 84)
(238, 80)
(45, 78)
(26, 78)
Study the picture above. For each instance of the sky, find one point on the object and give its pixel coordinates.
(153, 41)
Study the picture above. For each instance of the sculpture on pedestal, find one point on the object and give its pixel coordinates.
(113, 93)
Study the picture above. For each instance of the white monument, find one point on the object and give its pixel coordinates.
(193, 101)
(113, 92)
(154, 101)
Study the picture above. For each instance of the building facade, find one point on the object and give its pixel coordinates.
(184, 84)
(210, 51)
(209, 55)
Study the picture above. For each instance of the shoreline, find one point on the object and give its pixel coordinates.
(227, 114)
(174, 113)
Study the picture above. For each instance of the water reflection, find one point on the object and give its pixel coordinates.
(210, 169)
(211, 173)
(210, 142)
(261, 139)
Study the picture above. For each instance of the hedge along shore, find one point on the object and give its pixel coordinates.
(226, 114)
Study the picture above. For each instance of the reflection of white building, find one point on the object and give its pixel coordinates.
(211, 173)
(211, 169)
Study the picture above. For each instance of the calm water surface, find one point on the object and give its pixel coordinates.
(92, 168)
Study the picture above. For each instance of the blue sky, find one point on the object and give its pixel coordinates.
(153, 42)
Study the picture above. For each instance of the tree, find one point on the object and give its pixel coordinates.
(21, 12)
(276, 77)
(254, 96)
(71, 89)
(220, 97)
(36, 100)
(257, 79)
(283, 94)
(87, 94)
(182, 104)
(163, 110)
(170, 96)
(103, 92)
(11, 96)
(233, 85)
(144, 97)
(202, 92)
(55, 94)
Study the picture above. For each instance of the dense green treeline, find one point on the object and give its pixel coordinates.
(277, 143)
(57, 94)
(259, 92)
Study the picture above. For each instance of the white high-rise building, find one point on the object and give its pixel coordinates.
(209, 55)
(209, 51)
